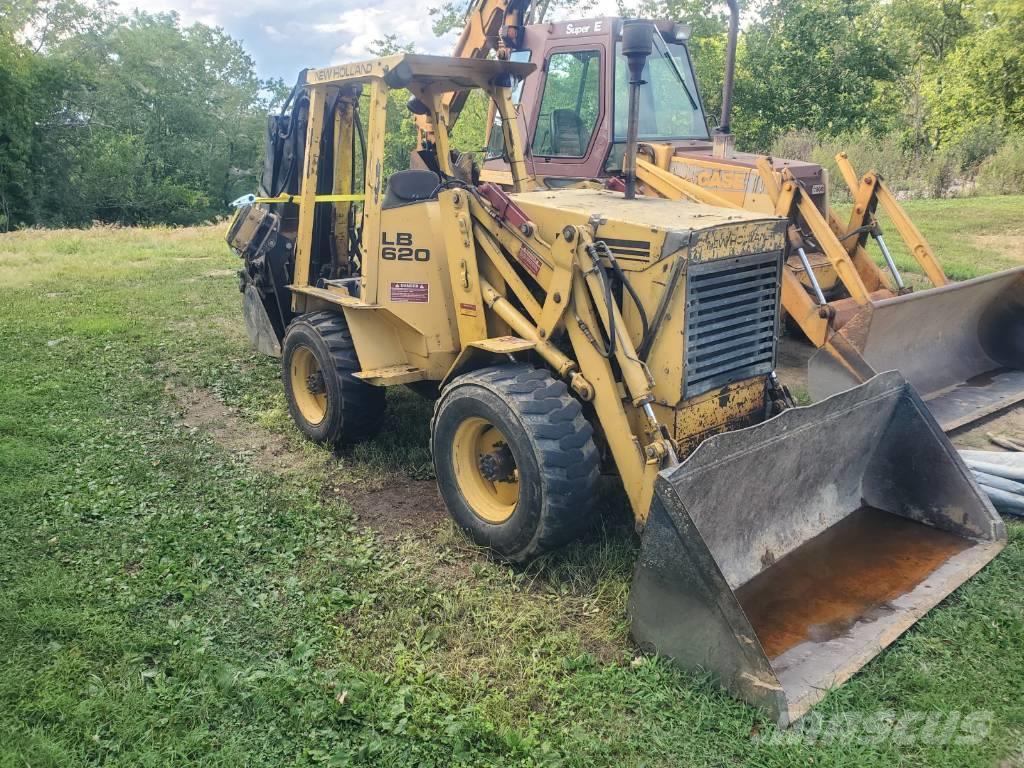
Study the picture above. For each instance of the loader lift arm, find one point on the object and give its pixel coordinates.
(949, 340)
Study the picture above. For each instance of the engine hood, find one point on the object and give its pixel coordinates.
(646, 230)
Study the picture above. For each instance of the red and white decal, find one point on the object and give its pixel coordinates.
(530, 260)
(410, 293)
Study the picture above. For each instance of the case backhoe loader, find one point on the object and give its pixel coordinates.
(960, 344)
(563, 331)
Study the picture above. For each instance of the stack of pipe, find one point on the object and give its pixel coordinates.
(1001, 476)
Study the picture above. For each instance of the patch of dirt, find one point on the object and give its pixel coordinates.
(408, 506)
(409, 513)
(221, 273)
(231, 327)
(1009, 423)
(791, 365)
(264, 449)
(399, 508)
(1008, 244)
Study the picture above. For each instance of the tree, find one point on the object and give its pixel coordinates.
(133, 120)
(814, 64)
(981, 81)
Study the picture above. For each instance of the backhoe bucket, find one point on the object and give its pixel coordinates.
(960, 345)
(781, 558)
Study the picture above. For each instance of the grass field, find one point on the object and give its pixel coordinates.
(183, 580)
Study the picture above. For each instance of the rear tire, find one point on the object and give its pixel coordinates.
(328, 404)
(515, 460)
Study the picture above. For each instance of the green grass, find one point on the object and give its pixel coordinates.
(166, 601)
(970, 236)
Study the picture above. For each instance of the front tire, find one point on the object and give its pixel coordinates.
(328, 404)
(515, 460)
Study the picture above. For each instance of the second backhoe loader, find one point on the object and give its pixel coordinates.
(960, 344)
(568, 331)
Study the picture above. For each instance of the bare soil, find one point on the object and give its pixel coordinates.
(405, 513)
(791, 365)
(405, 506)
(265, 450)
(1007, 244)
(408, 506)
(1009, 423)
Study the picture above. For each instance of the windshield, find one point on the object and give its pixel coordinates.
(669, 106)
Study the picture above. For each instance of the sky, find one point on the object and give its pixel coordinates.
(284, 37)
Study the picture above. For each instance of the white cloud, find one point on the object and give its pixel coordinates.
(285, 37)
(360, 27)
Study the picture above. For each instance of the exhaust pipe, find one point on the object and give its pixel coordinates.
(637, 44)
(724, 140)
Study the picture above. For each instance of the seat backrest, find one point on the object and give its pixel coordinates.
(408, 187)
(567, 133)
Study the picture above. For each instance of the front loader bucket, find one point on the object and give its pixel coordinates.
(960, 345)
(783, 557)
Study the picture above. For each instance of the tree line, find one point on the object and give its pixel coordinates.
(130, 119)
(930, 90)
(140, 119)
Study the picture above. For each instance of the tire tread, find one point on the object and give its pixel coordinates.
(362, 405)
(568, 457)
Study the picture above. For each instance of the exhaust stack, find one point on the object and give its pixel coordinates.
(636, 47)
(724, 141)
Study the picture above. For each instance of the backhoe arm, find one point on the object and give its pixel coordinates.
(492, 26)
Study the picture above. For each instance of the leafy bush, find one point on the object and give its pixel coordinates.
(1003, 172)
(909, 171)
(975, 147)
(796, 145)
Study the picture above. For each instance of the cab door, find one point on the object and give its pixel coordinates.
(566, 105)
(570, 110)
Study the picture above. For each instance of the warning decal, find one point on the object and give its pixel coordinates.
(530, 260)
(410, 293)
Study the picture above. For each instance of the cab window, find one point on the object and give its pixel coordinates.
(669, 105)
(570, 106)
(496, 139)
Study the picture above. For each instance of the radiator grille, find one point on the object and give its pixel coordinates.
(731, 310)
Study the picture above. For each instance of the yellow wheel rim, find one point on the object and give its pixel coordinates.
(485, 470)
(308, 386)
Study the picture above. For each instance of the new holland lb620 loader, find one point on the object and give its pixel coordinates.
(566, 331)
(960, 344)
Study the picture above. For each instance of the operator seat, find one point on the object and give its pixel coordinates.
(408, 187)
(569, 135)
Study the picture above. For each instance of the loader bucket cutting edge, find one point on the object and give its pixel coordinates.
(960, 345)
(783, 589)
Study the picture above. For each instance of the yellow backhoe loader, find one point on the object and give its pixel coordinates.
(566, 331)
(960, 344)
